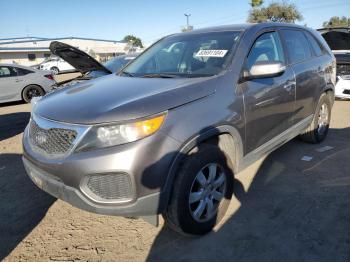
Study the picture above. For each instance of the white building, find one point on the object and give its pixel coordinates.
(33, 50)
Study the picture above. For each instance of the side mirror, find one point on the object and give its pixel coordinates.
(264, 69)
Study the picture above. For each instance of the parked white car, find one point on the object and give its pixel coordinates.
(55, 64)
(338, 40)
(23, 83)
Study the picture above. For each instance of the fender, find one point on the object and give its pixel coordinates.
(236, 155)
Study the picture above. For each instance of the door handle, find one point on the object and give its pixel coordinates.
(18, 80)
(289, 85)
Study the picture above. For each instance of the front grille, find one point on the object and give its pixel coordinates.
(116, 187)
(346, 92)
(343, 69)
(53, 141)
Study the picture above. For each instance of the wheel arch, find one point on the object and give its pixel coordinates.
(330, 91)
(228, 140)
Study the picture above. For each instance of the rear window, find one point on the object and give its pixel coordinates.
(316, 47)
(298, 48)
(22, 71)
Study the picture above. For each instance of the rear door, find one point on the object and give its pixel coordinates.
(307, 69)
(8, 83)
(269, 102)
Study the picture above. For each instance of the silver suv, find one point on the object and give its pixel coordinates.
(168, 133)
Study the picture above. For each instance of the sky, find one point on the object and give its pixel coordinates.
(148, 19)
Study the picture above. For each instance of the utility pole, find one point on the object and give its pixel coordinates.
(187, 18)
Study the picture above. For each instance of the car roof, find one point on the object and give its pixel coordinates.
(242, 27)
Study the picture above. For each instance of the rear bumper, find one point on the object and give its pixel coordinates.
(147, 205)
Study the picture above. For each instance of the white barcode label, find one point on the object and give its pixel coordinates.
(211, 53)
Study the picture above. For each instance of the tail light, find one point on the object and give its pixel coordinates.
(49, 77)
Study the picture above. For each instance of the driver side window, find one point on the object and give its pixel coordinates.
(267, 47)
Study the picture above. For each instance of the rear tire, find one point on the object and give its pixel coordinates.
(199, 202)
(32, 91)
(318, 129)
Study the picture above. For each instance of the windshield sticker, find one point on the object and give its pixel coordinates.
(211, 53)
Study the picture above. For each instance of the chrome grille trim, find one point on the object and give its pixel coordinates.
(343, 69)
(63, 137)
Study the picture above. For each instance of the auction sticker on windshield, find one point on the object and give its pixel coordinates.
(211, 53)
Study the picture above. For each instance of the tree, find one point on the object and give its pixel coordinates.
(275, 12)
(337, 21)
(134, 40)
(256, 3)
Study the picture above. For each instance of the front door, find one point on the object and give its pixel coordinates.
(269, 102)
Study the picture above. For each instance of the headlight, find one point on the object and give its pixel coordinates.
(112, 135)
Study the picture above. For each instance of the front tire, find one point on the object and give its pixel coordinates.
(54, 70)
(202, 191)
(318, 129)
(32, 91)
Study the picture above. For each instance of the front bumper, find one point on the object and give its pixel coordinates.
(342, 88)
(146, 162)
(143, 206)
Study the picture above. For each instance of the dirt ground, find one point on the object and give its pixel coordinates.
(284, 209)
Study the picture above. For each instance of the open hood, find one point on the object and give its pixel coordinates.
(337, 38)
(77, 58)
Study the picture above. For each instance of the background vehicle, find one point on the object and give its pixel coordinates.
(168, 134)
(87, 65)
(20, 82)
(55, 64)
(338, 40)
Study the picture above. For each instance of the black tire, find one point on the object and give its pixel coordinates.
(54, 70)
(314, 133)
(178, 215)
(32, 91)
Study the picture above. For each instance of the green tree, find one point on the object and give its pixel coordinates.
(134, 40)
(275, 12)
(256, 3)
(337, 21)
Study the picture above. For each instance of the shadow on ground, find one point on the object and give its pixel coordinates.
(292, 211)
(22, 204)
(13, 124)
(11, 103)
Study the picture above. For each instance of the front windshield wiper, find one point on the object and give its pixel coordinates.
(159, 76)
(127, 73)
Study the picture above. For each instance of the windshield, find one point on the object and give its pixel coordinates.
(115, 64)
(186, 55)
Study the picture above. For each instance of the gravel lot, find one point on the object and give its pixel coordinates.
(284, 209)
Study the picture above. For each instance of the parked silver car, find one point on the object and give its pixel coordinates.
(169, 132)
(23, 83)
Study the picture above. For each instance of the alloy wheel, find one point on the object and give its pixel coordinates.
(207, 190)
(32, 92)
